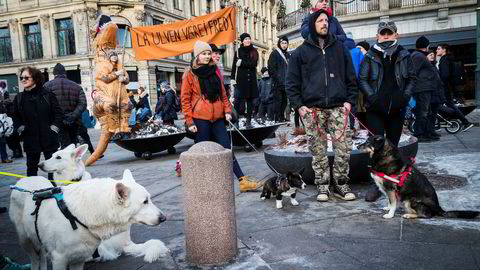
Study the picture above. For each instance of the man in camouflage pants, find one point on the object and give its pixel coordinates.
(321, 84)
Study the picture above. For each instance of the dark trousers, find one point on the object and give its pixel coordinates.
(391, 124)
(13, 143)
(239, 105)
(32, 163)
(421, 111)
(280, 101)
(457, 112)
(68, 135)
(268, 109)
(3, 148)
(432, 117)
(216, 132)
(297, 119)
(83, 132)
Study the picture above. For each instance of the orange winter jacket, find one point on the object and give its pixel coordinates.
(195, 105)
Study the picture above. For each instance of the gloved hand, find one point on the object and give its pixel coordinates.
(228, 117)
(119, 72)
(20, 129)
(54, 128)
(239, 62)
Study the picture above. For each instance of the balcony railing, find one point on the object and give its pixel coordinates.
(356, 7)
(292, 19)
(410, 3)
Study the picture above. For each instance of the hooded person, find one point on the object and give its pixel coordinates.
(266, 96)
(277, 69)
(244, 74)
(206, 107)
(168, 112)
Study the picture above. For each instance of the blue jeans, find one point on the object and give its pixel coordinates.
(216, 132)
(3, 148)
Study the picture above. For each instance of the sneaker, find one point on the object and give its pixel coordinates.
(467, 126)
(373, 194)
(343, 192)
(246, 185)
(8, 264)
(323, 193)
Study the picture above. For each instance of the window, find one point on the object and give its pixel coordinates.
(121, 36)
(192, 7)
(65, 37)
(157, 22)
(132, 75)
(209, 6)
(5, 46)
(176, 4)
(33, 41)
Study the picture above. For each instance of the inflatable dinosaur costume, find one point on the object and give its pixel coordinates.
(110, 97)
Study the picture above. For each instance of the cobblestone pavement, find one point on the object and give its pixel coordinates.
(313, 235)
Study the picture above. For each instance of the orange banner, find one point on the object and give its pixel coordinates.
(162, 41)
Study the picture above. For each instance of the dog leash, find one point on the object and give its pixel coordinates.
(23, 176)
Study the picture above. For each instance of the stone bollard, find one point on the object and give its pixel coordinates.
(209, 201)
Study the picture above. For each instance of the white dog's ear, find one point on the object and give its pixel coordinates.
(80, 151)
(127, 176)
(122, 192)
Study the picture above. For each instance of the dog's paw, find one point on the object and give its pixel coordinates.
(294, 202)
(409, 216)
(262, 198)
(388, 215)
(279, 204)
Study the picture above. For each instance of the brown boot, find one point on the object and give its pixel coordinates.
(246, 185)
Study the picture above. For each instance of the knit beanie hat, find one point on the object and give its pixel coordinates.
(422, 42)
(200, 46)
(244, 36)
(59, 69)
(364, 44)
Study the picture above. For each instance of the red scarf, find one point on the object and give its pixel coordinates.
(328, 10)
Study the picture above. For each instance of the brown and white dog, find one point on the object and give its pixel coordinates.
(416, 192)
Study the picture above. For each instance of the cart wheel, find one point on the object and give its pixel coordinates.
(172, 150)
(259, 144)
(138, 154)
(454, 127)
(147, 155)
(247, 148)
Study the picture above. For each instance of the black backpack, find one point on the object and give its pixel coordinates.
(457, 73)
(176, 103)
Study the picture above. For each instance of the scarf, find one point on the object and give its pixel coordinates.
(210, 85)
(386, 47)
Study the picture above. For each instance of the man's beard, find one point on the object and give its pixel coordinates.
(323, 35)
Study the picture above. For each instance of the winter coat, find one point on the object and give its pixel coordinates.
(159, 106)
(323, 78)
(40, 115)
(444, 67)
(438, 96)
(266, 93)
(195, 105)
(70, 96)
(168, 110)
(277, 68)
(426, 73)
(334, 28)
(372, 74)
(246, 74)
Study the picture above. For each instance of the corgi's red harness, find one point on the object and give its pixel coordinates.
(398, 179)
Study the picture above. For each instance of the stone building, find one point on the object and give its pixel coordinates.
(442, 21)
(41, 33)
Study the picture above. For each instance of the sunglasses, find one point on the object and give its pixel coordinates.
(26, 78)
(382, 24)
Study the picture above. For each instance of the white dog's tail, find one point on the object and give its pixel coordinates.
(150, 250)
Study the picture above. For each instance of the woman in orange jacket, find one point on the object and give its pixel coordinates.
(205, 105)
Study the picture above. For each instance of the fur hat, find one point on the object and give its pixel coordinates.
(59, 69)
(364, 44)
(200, 46)
(422, 42)
(244, 36)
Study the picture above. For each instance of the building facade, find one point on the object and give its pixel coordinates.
(452, 22)
(41, 33)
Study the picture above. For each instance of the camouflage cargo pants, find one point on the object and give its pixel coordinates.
(332, 121)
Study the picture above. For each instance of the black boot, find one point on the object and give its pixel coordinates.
(373, 194)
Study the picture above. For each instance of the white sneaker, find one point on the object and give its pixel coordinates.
(323, 193)
(344, 192)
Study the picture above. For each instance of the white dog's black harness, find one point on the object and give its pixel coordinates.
(57, 194)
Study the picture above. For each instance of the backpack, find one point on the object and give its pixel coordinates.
(176, 103)
(457, 73)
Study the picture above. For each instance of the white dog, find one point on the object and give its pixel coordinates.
(105, 206)
(67, 164)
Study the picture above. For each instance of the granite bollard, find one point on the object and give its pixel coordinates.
(209, 201)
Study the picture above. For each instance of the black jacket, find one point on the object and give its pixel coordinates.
(277, 68)
(40, 114)
(371, 79)
(266, 91)
(246, 74)
(321, 78)
(444, 67)
(70, 96)
(426, 73)
(168, 110)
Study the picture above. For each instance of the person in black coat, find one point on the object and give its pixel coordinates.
(426, 84)
(244, 74)
(438, 97)
(277, 69)
(168, 112)
(266, 96)
(37, 116)
(13, 141)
